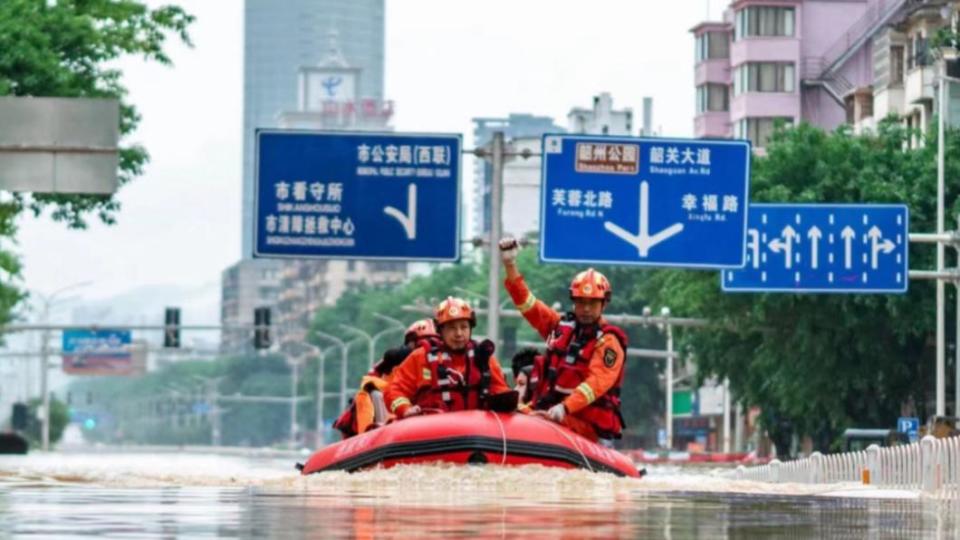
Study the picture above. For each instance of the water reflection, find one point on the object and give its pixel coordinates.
(190, 498)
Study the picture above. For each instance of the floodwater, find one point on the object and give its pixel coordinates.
(188, 495)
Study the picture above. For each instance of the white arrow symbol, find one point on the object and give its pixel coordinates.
(789, 235)
(876, 247)
(408, 220)
(643, 241)
(847, 235)
(814, 235)
(754, 245)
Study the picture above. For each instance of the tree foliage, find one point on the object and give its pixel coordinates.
(69, 48)
(818, 363)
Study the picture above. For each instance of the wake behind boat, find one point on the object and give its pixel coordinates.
(469, 437)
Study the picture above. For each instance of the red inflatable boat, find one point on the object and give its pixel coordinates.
(469, 437)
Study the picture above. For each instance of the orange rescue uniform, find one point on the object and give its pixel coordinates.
(412, 380)
(602, 373)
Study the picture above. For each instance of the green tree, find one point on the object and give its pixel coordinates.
(817, 364)
(59, 417)
(68, 48)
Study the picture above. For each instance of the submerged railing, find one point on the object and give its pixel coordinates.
(931, 466)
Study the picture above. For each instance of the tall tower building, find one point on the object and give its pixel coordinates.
(279, 38)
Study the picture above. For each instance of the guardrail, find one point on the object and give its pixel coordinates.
(931, 466)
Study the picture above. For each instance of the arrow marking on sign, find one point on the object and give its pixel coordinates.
(876, 246)
(786, 246)
(408, 220)
(643, 241)
(814, 235)
(847, 234)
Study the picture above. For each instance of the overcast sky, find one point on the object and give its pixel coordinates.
(447, 61)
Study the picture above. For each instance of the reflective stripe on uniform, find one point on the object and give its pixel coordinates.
(527, 304)
(585, 389)
(398, 402)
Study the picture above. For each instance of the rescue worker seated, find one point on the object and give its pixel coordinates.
(367, 409)
(579, 386)
(523, 368)
(453, 373)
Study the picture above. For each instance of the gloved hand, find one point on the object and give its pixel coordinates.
(412, 411)
(557, 413)
(509, 248)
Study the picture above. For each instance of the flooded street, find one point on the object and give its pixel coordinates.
(206, 496)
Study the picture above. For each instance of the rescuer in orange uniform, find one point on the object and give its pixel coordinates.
(578, 382)
(362, 414)
(453, 373)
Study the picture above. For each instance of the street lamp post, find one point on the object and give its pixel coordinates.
(343, 364)
(668, 329)
(362, 334)
(48, 302)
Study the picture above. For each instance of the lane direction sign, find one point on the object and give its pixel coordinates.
(852, 248)
(359, 195)
(644, 201)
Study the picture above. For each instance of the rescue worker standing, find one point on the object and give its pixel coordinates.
(454, 373)
(367, 409)
(582, 372)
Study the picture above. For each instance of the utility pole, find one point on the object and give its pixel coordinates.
(496, 224)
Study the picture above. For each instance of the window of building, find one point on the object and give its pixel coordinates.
(713, 45)
(896, 65)
(918, 52)
(764, 21)
(713, 97)
(351, 266)
(759, 130)
(764, 77)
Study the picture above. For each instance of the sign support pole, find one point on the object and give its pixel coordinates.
(941, 299)
(496, 223)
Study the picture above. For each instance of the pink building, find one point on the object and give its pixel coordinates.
(789, 60)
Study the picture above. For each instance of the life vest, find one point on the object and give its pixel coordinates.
(450, 390)
(359, 416)
(566, 364)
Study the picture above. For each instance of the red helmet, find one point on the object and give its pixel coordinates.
(454, 309)
(421, 329)
(590, 284)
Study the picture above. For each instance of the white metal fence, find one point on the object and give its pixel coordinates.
(931, 466)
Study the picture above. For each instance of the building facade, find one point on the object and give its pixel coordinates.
(601, 118)
(907, 70)
(771, 61)
(279, 38)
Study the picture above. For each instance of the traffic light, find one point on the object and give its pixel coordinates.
(19, 416)
(261, 331)
(171, 332)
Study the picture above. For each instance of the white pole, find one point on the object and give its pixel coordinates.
(321, 396)
(496, 223)
(941, 323)
(726, 416)
(44, 387)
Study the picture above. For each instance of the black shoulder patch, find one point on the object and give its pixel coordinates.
(610, 358)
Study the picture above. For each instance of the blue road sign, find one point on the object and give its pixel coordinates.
(910, 426)
(834, 248)
(97, 352)
(357, 196)
(652, 202)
